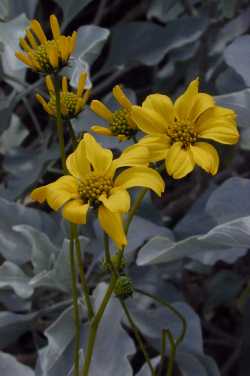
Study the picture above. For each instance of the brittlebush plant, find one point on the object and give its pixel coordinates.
(177, 134)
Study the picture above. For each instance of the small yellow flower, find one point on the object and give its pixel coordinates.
(94, 183)
(175, 131)
(43, 55)
(71, 103)
(119, 122)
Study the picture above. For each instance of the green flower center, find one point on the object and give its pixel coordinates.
(182, 131)
(93, 187)
(119, 125)
(68, 104)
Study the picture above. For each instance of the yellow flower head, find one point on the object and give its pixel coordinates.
(72, 103)
(94, 183)
(43, 55)
(176, 130)
(119, 122)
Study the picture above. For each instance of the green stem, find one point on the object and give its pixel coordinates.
(125, 308)
(135, 207)
(75, 304)
(83, 280)
(72, 135)
(170, 308)
(167, 333)
(96, 321)
(95, 324)
(138, 337)
(171, 358)
(59, 124)
(163, 351)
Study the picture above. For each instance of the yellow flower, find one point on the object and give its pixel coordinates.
(41, 54)
(119, 122)
(71, 103)
(176, 130)
(94, 183)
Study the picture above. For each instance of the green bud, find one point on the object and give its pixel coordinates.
(123, 288)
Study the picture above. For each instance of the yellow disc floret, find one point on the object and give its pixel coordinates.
(182, 131)
(119, 124)
(93, 187)
(72, 102)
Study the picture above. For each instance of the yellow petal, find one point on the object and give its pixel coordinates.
(202, 103)
(67, 47)
(101, 110)
(31, 39)
(61, 191)
(99, 157)
(218, 124)
(112, 225)
(121, 98)
(223, 133)
(86, 96)
(162, 105)
(179, 162)
(75, 211)
(158, 146)
(72, 42)
(62, 44)
(101, 130)
(50, 84)
(184, 103)
(141, 177)
(52, 55)
(213, 114)
(35, 63)
(24, 45)
(206, 157)
(77, 162)
(42, 101)
(81, 84)
(134, 155)
(64, 84)
(24, 58)
(36, 27)
(39, 194)
(118, 201)
(148, 120)
(79, 106)
(54, 26)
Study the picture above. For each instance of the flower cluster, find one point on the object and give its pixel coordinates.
(175, 133)
(42, 54)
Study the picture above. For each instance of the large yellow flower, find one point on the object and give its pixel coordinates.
(72, 103)
(119, 122)
(94, 183)
(43, 55)
(176, 130)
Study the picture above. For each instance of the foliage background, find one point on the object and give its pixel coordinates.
(190, 247)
